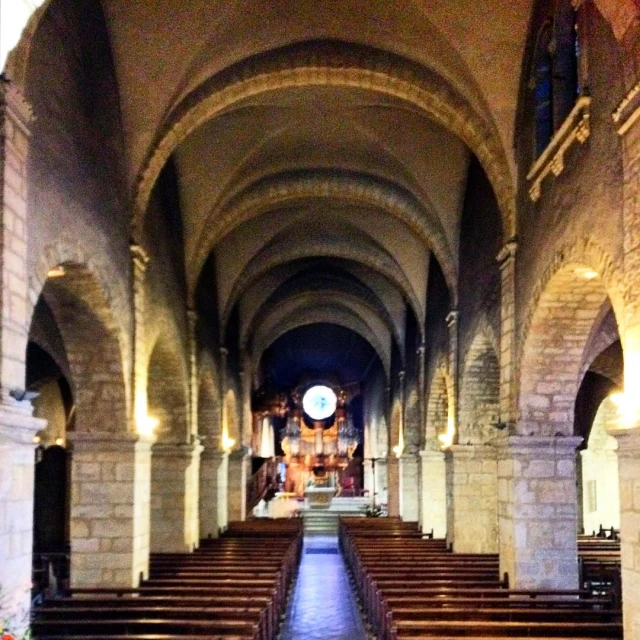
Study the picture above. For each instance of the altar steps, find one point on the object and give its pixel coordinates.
(325, 521)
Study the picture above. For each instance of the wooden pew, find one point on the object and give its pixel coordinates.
(234, 587)
(413, 588)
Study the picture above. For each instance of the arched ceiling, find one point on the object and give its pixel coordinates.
(320, 351)
(321, 152)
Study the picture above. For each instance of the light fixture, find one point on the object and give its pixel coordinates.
(398, 450)
(627, 409)
(146, 425)
(60, 442)
(586, 273)
(228, 443)
(36, 439)
(56, 272)
(319, 402)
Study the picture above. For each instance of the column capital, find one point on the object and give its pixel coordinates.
(551, 446)
(177, 449)
(139, 256)
(507, 253)
(421, 349)
(192, 317)
(109, 440)
(628, 442)
(17, 424)
(485, 451)
(452, 318)
(431, 454)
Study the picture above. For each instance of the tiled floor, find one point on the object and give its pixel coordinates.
(322, 607)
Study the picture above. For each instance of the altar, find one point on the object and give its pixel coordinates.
(319, 497)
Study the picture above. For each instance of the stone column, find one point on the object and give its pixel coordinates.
(17, 425)
(110, 489)
(174, 497)
(238, 463)
(380, 481)
(452, 324)
(508, 391)
(537, 511)
(192, 318)
(17, 429)
(368, 478)
(434, 498)
(409, 493)
(393, 486)
(629, 465)
(422, 401)
(213, 492)
(472, 508)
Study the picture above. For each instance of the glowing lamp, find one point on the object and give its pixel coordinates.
(398, 450)
(228, 443)
(57, 272)
(146, 425)
(60, 442)
(627, 409)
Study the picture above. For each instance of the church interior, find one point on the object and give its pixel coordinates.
(320, 295)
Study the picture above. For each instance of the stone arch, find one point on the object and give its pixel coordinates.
(332, 64)
(282, 190)
(209, 414)
(168, 391)
(568, 300)
(336, 314)
(91, 340)
(439, 400)
(479, 401)
(341, 248)
(66, 250)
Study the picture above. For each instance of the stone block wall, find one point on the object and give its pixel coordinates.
(17, 459)
(109, 512)
(537, 512)
(212, 493)
(472, 504)
(409, 488)
(174, 497)
(238, 467)
(433, 495)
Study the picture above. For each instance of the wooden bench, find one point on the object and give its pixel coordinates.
(415, 588)
(234, 587)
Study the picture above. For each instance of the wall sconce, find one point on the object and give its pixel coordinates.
(627, 409)
(228, 443)
(56, 272)
(146, 425)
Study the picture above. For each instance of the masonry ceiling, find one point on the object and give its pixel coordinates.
(319, 201)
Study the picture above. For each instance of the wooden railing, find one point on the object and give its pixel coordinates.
(259, 482)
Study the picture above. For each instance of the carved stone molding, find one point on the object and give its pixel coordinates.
(576, 128)
(628, 110)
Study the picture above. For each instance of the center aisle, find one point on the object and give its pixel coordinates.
(323, 605)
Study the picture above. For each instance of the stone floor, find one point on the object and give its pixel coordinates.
(322, 605)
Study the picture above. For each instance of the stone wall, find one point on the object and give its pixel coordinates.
(472, 498)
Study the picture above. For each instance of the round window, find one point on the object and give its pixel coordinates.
(319, 402)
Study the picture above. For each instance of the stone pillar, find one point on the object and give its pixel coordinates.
(422, 416)
(434, 498)
(537, 512)
(393, 486)
(213, 492)
(368, 477)
(472, 508)
(380, 481)
(174, 497)
(17, 428)
(17, 425)
(110, 489)
(452, 324)
(140, 373)
(508, 390)
(192, 318)
(238, 463)
(409, 494)
(246, 425)
(629, 465)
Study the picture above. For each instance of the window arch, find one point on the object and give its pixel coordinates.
(543, 88)
(556, 73)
